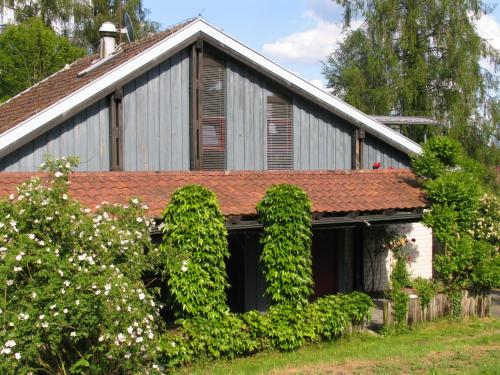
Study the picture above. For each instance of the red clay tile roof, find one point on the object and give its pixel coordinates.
(239, 192)
(59, 85)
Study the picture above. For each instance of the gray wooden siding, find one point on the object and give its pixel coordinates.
(376, 150)
(321, 140)
(85, 135)
(156, 118)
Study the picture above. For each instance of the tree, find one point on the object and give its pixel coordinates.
(423, 57)
(80, 19)
(29, 52)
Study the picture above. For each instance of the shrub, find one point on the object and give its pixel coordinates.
(400, 276)
(425, 289)
(487, 225)
(331, 316)
(440, 154)
(195, 248)
(73, 299)
(285, 212)
(399, 300)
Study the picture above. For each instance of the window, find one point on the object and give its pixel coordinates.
(279, 133)
(210, 129)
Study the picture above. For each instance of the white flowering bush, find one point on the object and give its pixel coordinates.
(72, 299)
(487, 225)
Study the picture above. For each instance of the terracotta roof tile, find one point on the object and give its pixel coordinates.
(64, 82)
(239, 192)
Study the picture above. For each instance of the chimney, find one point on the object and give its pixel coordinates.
(108, 33)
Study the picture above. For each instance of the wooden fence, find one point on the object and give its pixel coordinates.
(472, 305)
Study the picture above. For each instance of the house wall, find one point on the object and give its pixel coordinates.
(156, 128)
(85, 135)
(376, 150)
(378, 269)
(321, 140)
(156, 118)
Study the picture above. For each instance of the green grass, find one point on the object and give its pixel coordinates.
(444, 347)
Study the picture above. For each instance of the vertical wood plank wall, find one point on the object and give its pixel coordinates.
(156, 118)
(376, 150)
(85, 135)
(321, 140)
(156, 134)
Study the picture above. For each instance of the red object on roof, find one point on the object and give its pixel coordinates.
(239, 192)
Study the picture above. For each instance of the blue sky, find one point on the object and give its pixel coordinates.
(297, 34)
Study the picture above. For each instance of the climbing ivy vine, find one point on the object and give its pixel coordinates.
(285, 212)
(195, 248)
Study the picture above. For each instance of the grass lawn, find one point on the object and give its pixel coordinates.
(444, 347)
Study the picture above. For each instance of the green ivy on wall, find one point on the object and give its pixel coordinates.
(195, 248)
(285, 212)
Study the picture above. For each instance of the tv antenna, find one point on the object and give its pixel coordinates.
(129, 28)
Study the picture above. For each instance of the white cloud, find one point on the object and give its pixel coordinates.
(311, 45)
(489, 29)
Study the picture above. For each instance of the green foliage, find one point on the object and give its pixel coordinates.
(455, 297)
(82, 19)
(195, 248)
(487, 225)
(285, 212)
(331, 316)
(400, 301)
(439, 155)
(283, 327)
(407, 58)
(72, 295)
(458, 190)
(425, 289)
(400, 276)
(29, 52)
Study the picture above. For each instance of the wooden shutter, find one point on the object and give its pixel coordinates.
(279, 133)
(213, 114)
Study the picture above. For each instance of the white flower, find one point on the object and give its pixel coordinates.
(41, 317)
(127, 355)
(64, 196)
(10, 282)
(135, 201)
(18, 269)
(73, 334)
(45, 325)
(66, 283)
(130, 329)
(11, 196)
(58, 174)
(19, 257)
(5, 351)
(10, 344)
(77, 302)
(23, 316)
(150, 335)
(139, 339)
(52, 307)
(13, 223)
(184, 268)
(121, 337)
(139, 219)
(31, 236)
(33, 295)
(17, 356)
(141, 296)
(65, 311)
(107, 286)
(173, 343)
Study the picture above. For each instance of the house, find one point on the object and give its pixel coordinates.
(193, 105)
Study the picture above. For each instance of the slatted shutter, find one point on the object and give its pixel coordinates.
(213, 114)
(279, 133)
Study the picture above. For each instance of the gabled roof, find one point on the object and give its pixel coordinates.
(239, 192)
(63, 94)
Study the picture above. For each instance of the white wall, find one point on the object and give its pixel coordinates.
(377, 269)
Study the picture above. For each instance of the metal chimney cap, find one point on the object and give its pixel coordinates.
(108, 28)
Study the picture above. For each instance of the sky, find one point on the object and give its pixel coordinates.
(296, 34)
